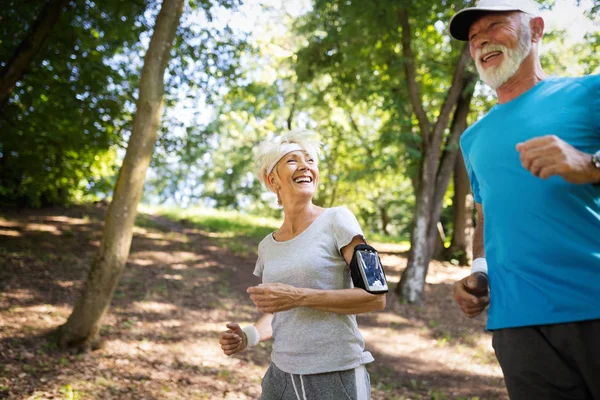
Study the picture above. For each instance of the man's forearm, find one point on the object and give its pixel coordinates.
(478, 248)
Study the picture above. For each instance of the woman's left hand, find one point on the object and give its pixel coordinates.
(274, 297)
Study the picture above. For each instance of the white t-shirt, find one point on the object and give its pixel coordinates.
(309, 341)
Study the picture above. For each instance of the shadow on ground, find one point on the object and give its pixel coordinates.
(178, 290)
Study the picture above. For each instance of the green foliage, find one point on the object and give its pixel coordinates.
(206, 62)
(358, 167)
(71, 113)
(64, 117)
(589, 51)
(339, 70)
(354, 54)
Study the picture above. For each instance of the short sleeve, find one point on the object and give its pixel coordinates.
(472, 179)
(595, 103)
(345, 227)
(260, 266)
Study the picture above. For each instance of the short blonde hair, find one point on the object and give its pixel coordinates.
(270, 151)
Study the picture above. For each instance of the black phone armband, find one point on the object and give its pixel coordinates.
(366, 270)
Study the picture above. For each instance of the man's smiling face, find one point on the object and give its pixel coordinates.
(499, 42)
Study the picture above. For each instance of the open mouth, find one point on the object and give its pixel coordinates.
(303, 179)
(490, 56)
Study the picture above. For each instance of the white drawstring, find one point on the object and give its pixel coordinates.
(360, 374)
(360, 382)
(302, 384)
(296, 390)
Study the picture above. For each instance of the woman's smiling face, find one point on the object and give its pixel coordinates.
(296, 175)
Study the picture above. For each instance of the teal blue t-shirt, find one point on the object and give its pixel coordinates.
(541, 237)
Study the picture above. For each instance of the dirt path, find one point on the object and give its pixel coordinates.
(177, 292)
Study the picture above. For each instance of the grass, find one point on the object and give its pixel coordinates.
(225, 223)
(379, 238)
(144, 220)
(233, 230)
(236, 231)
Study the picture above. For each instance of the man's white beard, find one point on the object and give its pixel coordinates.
(496, 76)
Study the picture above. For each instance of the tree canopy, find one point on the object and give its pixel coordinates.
(345, 69)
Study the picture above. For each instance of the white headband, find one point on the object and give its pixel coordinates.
(283, 150)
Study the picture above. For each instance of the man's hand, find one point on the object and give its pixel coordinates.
(546, 156)
(274, 297)
(472, 294)
(233, 340)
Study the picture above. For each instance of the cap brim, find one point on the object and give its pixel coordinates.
(462, 20)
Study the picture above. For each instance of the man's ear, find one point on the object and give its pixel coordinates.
(537, 29)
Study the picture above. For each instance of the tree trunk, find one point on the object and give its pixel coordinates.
(412, 282)
(463, 204)
(81, 329)
(438, 242)
(29, 47)
(432, 182)
(451, 150)
(385, 219)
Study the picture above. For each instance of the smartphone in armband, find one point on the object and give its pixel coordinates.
(367, 271)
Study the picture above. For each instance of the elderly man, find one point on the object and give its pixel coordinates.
(534, 166)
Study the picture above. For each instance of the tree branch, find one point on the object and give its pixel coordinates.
(29, 47)
(290, 118)
(452, 96)
(356, 129)
(411, 78)
(459, 124)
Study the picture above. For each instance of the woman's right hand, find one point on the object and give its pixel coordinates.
(233, 340)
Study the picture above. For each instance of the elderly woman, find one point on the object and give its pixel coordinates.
(307, 294)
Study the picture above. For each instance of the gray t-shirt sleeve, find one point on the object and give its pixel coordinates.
(345, 227)
(260, 266)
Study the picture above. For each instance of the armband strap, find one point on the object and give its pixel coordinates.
(366, 270)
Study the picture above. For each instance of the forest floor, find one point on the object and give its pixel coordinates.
(179, 289)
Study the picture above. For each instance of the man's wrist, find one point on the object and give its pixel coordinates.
(594, 168)
(479, 265)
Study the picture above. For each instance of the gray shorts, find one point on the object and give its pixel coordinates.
(352, 384)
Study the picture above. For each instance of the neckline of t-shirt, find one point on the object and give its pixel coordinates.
(301, 233)
(526, 94)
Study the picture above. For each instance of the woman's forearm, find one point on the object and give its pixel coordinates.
(263, 326)
(343, 301)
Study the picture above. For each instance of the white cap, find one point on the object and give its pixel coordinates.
(462, 20)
